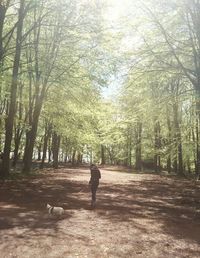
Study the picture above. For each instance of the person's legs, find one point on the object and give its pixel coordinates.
(94, 190)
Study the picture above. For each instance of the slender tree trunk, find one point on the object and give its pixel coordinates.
(12, 105)
(138, 151)
(175, 165)
(128, 160)
(2, 18)
(55, 148)
(157, 146)
(49, 149)
(197, 163)
(39, 152)
(130, 152)
(79, 158)
(194, 147)
(126, 153)
(169, 164)
(110, 153)
(73, 157)
(46, 139)
(178, 138)
(31, 136)
(102, 155)
(16, 150)
(180, 159)
(169, 160)
(17, 145)
(19, 130)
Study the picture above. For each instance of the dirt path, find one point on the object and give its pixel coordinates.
(136, 216)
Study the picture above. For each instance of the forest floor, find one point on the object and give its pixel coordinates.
(137, 215)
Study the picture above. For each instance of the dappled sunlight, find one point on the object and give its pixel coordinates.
(148, 208)
(99, 128)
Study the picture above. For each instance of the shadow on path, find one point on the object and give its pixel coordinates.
(175, 205)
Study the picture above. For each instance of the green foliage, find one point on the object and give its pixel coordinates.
(70, 50)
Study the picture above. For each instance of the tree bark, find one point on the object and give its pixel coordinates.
(46, 139)
(138, 150)
(178, 138)
(17, 145)
(55, 149)
(2, 18)
(102, 155)
(157, 146)
(197, 161)
(73, 157)
(169, 159)
(18, 130)
(12, 105)
(31, 136)
(39, 151)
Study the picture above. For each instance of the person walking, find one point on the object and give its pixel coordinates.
(94, 182)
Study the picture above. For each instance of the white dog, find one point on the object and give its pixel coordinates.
(56, 211)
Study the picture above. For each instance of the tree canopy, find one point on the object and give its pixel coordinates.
(56, 59)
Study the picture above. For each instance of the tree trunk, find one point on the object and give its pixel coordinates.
(2, 18)
(169, 160)
(138, 150)
(178, 139)
(49, 149)
(73, 157)
(169, 164)
(157, 146)
(12, 105)
(17, 144)
(19, 129)
(79, 158)
(130, 152)
(188, 166)
(39, 151)
(180, 159)
(128, 159)
(55, 149)
(197, 163)
(31, 136)
(102, 155)
(46, 139)
(175, 165)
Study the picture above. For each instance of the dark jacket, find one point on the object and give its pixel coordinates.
(95, 175)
